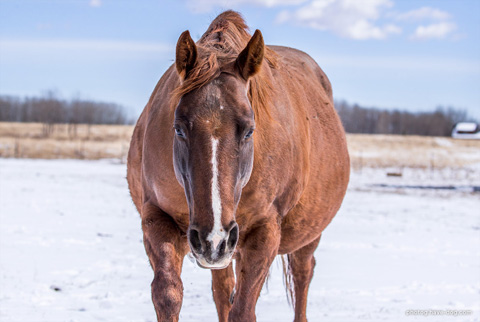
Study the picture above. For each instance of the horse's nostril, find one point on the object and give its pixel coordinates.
(194, 239)
(221, 248)
(232, 237)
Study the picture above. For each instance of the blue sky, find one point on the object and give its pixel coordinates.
(408, 54)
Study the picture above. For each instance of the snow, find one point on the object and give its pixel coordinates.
(71, 250)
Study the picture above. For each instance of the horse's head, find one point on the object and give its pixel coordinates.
(213, 149)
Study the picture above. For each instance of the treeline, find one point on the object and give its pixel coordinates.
(440, 122)
(50, 109)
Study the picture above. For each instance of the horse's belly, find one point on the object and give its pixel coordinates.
(308, 219)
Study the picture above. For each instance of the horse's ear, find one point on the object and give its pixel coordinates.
(250, 59)
(186, 54)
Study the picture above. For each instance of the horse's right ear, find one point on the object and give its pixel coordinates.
(186, 54)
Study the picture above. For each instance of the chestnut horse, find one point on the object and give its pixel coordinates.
(239, 154)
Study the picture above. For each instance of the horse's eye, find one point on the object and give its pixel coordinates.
(179, 132)
(249, 134)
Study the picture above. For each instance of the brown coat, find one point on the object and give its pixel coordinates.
(299, 173)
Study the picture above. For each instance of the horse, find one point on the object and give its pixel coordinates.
(238, 155)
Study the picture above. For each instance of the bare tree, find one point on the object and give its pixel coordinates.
(357, 119)
(49, 109)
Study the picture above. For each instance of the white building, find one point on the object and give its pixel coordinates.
(466, 130)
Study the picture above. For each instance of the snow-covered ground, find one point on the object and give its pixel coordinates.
(71, 250)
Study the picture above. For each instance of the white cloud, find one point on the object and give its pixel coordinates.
(346, 18)
(434, 31)
(95, 3)
(353, 19)
(438, 30)
(208, 5)
(424, 13)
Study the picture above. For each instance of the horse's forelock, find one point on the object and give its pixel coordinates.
(220, 45)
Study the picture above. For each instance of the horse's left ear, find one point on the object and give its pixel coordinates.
(186, 54)
(250, 59)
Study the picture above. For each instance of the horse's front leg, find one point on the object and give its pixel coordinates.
(166, 247)
(255, 256)
(223, 282)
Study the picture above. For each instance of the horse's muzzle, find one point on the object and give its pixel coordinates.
(213, 250)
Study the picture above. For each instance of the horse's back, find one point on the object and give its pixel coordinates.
(302, 61)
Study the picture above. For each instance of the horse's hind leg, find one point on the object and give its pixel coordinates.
(301, 264)
(223, 282)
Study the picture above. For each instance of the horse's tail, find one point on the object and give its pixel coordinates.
(288, 280)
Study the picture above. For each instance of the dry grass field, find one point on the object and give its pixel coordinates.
(412, 151)
(63, 141)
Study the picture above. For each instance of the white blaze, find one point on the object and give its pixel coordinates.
(217, 234)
